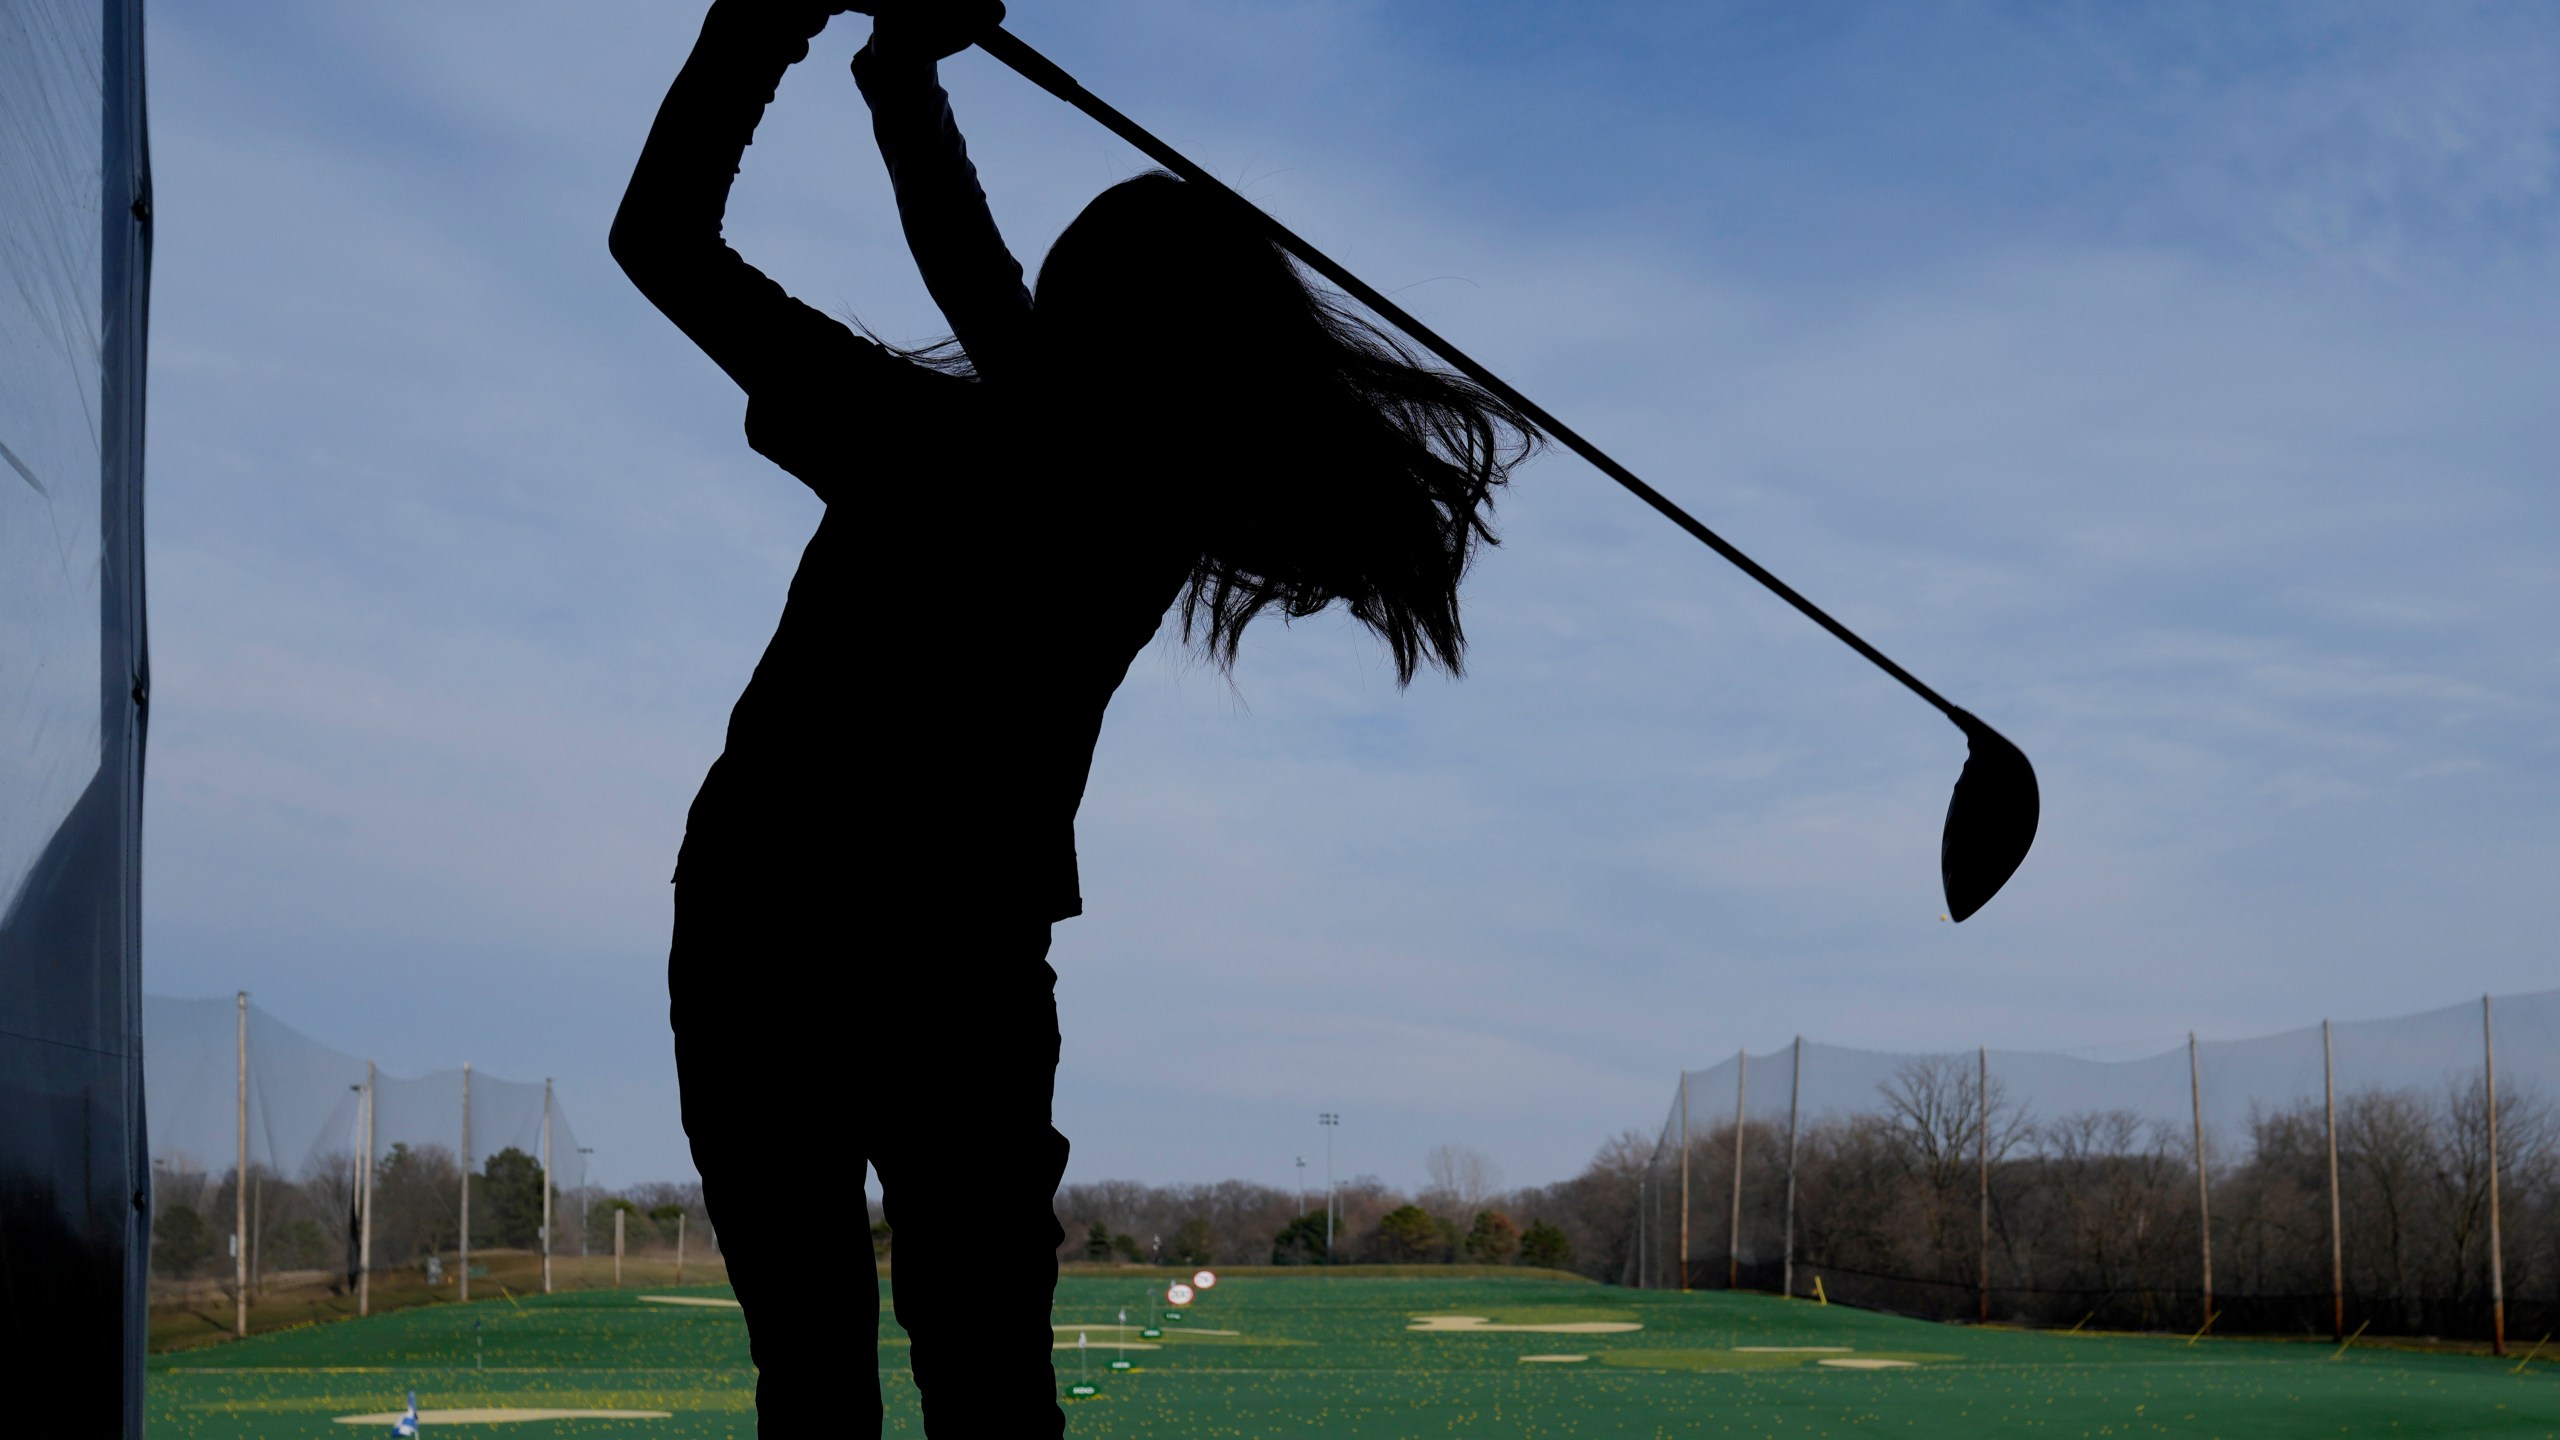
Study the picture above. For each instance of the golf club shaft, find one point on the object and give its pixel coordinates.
(1043, 72)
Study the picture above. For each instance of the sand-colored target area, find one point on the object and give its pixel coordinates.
(1553, 1359)
(1099, 1337)
(712, 1301)
(498, 1415)
(1868, 1362)
(1486, 1325)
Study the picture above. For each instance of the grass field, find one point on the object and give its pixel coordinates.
(1356, 1357)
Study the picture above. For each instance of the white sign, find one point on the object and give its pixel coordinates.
(1177, 1293)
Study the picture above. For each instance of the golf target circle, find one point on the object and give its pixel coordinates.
(1206, 1280)
(1177, 1293)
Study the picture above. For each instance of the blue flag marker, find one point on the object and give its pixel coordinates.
(408, 1423)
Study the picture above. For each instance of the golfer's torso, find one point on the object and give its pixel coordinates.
(925, 716)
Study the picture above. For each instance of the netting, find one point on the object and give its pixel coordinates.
(74, 242)
(2186, 1187)
(305, 1119)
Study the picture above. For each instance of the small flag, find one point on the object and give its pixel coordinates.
(408, 1424)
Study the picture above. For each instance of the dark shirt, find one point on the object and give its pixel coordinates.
(921, 727)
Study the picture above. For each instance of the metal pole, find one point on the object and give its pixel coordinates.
(680, 1219)
(1982, 1162)
(464, 1278)
(1795, 1108)
(1733, 1233)
(2497, 1255)
(1329, 1120)
(240, 1189)
(364, 1206)
(618, 1214)
(2204, 1207)
(546, 1184)
(1684, 1179)
(2337, 1233)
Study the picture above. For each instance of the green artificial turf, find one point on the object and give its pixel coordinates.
(1337, 1356)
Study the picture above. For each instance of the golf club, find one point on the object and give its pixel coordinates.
(1991, 819)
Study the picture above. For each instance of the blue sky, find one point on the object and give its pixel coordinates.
(2169, 384)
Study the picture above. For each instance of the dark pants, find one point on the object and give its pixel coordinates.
(931, 1054)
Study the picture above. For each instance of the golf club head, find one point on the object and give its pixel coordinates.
(1990, 822)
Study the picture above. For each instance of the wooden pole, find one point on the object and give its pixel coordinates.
(546, 1184)
(463, 1279)
(1684, 1180)
(1733, 1244)
(364, 1205)
(618, 1213)
(1795, 1108)
(2204, 1204)
(1982, 1163)
(2497, 1255)
(680, 1219)
(240, 1189)
(2337, 1231)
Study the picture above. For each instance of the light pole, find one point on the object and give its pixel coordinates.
(1302, 1184)
(1331, 1122)
(586, 1196)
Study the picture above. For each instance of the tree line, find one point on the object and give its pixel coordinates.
(1461, 1216)
(2097, 1218)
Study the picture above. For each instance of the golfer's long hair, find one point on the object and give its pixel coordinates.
(1315, 458)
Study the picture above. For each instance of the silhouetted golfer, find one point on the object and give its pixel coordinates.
(870, 872)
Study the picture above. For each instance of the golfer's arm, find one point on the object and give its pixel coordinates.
(957, 247)
(667, 235)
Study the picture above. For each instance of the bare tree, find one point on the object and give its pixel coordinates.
(1461, 1181)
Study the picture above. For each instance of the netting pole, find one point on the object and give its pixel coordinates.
(240, 1190)
(2204, 1204)
(1733, 1244)
(618, 1214)
(680, 1219)
(546, 1184)
(1795, 1106)
(2497, 1256)
(1684, 1180)
(1982, 1163)
(364, 1205)
(2337, 1233)
(1644, 1192)
(463, 1279)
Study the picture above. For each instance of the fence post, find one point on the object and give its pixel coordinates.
(546, 1185)
(463, 1278)
(240, 1190)
(1733, 1243)
(364, 1206)
(1982, 1162)
(2497, 1257)
(2204, 1203)
(1684, 1180)
(2337, 1233)
(1795, 1108)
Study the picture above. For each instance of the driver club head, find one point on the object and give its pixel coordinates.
(1991, 821)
